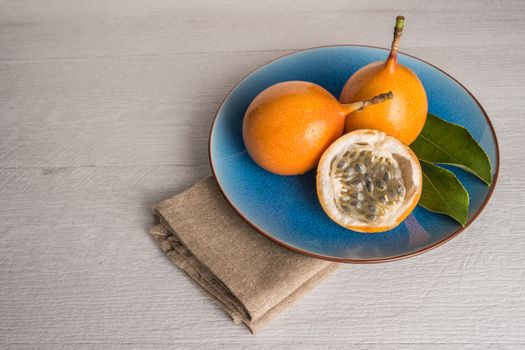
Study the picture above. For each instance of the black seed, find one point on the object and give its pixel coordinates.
(400, 189)
(386, 176)
(369, 186)
(360, 167)
(355, 182)
(354, 203)
(341, 164)
(381, 185)
(382, 199)
(367, 177)
(371, 217)
(372, 208)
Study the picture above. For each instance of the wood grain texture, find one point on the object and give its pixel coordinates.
(105, 109)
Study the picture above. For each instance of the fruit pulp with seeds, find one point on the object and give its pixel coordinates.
(369, 183)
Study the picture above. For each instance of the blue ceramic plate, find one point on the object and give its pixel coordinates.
(286, 209)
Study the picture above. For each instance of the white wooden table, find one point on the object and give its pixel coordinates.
(105, 108)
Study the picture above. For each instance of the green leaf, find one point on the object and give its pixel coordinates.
(443, 193)
(448, 143)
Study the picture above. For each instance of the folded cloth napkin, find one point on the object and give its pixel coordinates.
(251, 277)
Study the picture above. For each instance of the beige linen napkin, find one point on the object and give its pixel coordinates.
(251, 277)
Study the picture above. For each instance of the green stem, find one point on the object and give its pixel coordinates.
(398, 30)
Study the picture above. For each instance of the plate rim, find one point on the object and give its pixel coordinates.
(349, 260)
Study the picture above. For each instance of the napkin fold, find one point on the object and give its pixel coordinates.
(251, 277)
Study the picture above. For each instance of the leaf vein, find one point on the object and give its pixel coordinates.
(441, 149)
(439, 194)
